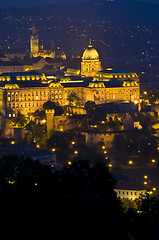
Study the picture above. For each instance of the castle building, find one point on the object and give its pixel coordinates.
(91, 63)
(28, 91)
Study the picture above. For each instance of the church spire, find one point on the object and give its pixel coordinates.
(33, 29)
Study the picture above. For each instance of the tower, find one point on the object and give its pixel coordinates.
(50, 120)
(34, 43)
(91, 63)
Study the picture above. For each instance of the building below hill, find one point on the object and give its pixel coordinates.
(129, 190)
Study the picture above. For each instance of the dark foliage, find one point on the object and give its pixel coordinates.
(77, 202)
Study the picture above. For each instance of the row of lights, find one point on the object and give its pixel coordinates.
(145, 183)
(132, 163)
(105, 152)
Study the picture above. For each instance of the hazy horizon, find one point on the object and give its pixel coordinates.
(28, 3)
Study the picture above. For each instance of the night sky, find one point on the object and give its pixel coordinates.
(4, 3)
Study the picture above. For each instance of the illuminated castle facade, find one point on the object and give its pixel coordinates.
(28, 91)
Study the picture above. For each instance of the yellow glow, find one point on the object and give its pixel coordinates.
(145, 176)
(37, 145)
(145, 183)
(43, 121)
(154, 189)
(53, 149)
(158, 148)
(11, 182)
(110, 165)
(103, 147)
(69, 163)
(136, 102)
(145, 92)
(130, 162)
(35, 184)
(73, 143)
(76, 152)
(105, 152)
(153, 160)
(12, 142)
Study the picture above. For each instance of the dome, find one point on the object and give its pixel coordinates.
(90, 53)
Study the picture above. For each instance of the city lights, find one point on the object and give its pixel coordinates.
(130, 162)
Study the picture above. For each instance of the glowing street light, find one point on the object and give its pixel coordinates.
(53, 149)
(103, 147)
(69, 163)
(110, 165)
(12, 142)
(145, 183)
(153, 160)
(130, 162)
(145, 176)
(73, 143)
(76, 152)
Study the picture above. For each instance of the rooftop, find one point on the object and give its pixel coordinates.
(116, 71)
(129, 185)
(14, 74)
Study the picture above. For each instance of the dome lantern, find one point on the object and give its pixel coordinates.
(90, 53)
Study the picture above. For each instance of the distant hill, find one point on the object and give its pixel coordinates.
(120, 12)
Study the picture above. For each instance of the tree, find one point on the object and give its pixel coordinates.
(36, 134)
(50, 105)
(39, 114)
(73, 99)
(90, 106)
(20, 120)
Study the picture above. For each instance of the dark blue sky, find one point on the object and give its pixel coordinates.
(4, 3)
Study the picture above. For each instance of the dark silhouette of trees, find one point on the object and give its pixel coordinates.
(76, 202)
